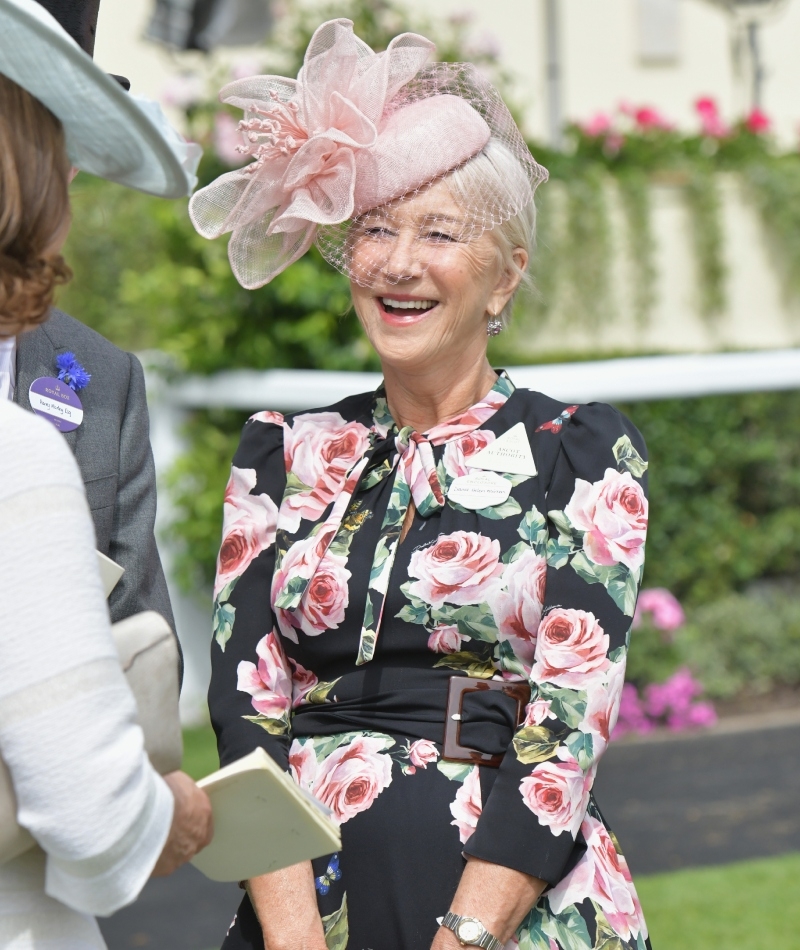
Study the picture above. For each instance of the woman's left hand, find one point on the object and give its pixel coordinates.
(499, 897)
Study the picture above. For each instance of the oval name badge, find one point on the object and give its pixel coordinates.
(53, 399)
(479, 490)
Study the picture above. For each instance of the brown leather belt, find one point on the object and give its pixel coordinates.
(459, 686)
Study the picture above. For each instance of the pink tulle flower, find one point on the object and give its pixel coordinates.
(666, 612)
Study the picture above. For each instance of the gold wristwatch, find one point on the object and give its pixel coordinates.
(470, 931)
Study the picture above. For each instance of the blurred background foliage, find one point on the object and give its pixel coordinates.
(725, 470)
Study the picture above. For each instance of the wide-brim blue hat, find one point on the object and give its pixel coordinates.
(109, 133)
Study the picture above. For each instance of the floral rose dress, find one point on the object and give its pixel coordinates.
(335, 644)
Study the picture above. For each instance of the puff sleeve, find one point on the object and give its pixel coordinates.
(592, 535)
(250, 695)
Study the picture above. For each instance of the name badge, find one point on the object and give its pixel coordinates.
(510, 452)
(56, 401)
(479, 490)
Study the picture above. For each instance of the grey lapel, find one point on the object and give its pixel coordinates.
(36, 356)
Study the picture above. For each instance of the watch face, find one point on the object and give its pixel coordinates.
(469, 930)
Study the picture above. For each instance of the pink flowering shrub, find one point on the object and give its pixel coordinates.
(673, 704)
(663, 608)
(710, 120)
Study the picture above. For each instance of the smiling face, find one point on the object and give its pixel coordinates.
(423, 284)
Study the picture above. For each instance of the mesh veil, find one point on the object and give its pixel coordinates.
(348, 154)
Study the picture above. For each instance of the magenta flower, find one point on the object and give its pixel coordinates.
(667, 613)
(648, 118)
(758, 122)
(710, 120)
(674, 702)
(599, 124)
(632, 716)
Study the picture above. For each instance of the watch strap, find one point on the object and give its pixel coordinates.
(487, 940)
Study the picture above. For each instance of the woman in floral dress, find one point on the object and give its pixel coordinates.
(447, 530)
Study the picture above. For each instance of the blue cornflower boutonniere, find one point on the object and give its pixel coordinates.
(71, 371)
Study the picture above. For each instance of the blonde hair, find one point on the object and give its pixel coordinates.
(34, 208)
(485, 180)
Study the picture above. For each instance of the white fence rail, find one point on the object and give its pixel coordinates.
(619, 380)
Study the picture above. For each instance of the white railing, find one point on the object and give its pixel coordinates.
(618, 380)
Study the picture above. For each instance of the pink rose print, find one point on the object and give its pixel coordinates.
(602, 707)
(303, 681)
(558, 793)
(468, 421)
(461, 568)
(268, 416)
(268, 683)
(467, 807)
(517, 607)
(326, 597)
(457, 453)
(352, 777)
(537, 711)
(613, 513)
(602, 875)
(319, 448)
(422, 752)
(571, 643)
(303, 764)
(248, 526)
(445, 639)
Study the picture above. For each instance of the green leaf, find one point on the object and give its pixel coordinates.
(413, 614)
(476, 622)
(628, 459)
(581, 745)
(515, 552)
(508, 660)
(564, 525)
(531, 932)
(606, 937)
(558, 552)
(455, 771)
(294, 486)
(470, 663)
(623, 589)
(534, 744)
(337, 931)
(504, 510)
(224, 616)
(618, 655)
(292, 594)
(589, 571)
(227, 590)
(616, 578)
(319, 694)
(275, 727)
(568, 929)
(569, 705)
(533, 529)
(414, 601)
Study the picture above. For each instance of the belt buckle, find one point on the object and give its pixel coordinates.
(459, 685)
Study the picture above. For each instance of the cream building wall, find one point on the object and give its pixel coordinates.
(600, 51)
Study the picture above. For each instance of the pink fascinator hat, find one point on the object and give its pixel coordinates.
(356, 131)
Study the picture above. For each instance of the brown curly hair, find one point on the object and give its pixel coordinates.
(34, 208)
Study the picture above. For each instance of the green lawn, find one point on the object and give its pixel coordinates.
(199, 752)
(752, 905)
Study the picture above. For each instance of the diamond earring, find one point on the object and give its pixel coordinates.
(494, 326)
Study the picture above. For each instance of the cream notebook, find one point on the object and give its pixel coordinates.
(263, 821)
